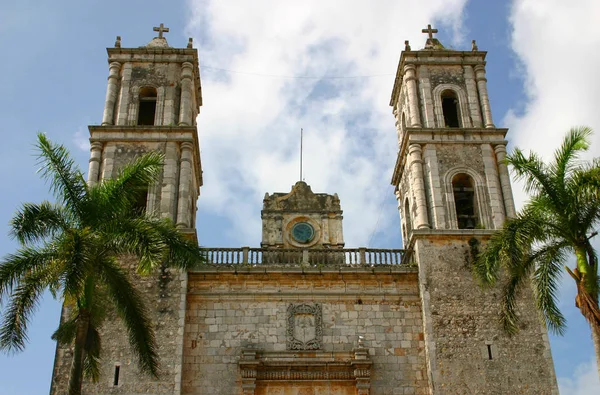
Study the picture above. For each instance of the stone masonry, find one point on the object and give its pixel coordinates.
(302, 315)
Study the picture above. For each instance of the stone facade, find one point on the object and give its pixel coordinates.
(302, 315)
(230, 311)
(171, 76)
(453, 191)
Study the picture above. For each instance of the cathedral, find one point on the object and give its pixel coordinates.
(302, 314)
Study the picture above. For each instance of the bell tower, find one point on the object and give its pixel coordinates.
(453, 190)
(152, 100)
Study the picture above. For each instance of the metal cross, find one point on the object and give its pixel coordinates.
(429, 31)
(164, 29)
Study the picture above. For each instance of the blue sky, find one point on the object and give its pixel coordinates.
(541, 73)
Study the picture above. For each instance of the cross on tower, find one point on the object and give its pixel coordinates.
(429, 31)
(164, 29)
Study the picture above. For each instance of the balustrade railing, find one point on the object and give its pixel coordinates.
(347, 256)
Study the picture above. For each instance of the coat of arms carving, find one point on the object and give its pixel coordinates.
(304, 327)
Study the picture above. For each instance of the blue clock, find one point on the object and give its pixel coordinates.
(303, 232)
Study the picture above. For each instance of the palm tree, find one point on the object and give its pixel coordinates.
(72, 248)
(559, 220)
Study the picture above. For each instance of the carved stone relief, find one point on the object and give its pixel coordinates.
(304, 326)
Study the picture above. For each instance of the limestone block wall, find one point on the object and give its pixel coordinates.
(164, 295)
(467, 350)
(227, 312)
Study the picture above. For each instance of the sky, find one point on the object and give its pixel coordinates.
(269, 68)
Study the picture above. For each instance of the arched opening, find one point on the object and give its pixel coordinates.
(407, 221)
(464, 200)
(450, 109)
(147, 109)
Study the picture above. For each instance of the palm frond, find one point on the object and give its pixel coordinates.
(93, 346)
(576, 141)
(181, 252)
(66, 180)
(25, 261)
(132, 310)
(35, 222)
(22, 304)
(549, 261)
(120, 194)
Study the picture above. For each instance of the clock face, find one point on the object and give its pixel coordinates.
(303, 232)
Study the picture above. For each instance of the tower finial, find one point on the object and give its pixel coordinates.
(161, 29)
(429, 31)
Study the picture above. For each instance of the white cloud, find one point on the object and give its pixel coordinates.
(555, 42)
(584, 381)
(249, 125)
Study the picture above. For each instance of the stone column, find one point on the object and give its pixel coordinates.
(124, 95)
(108, 161)
(168, 194)
(111, 94)
(95, 157)
(493, 189)
(415, 163)
(413, 99)
(509, 203)
(185, 180)
(425, 87)
(185, 108)
(472, 96)
(430, 160)
(483, 95)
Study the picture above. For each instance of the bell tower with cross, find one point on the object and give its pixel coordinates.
(453, 190)
(153, 97)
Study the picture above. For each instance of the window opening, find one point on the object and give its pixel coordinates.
(450, 109)
(139, 205)
(464, 199)
(116, 376)
(489, 350)
(147, 108)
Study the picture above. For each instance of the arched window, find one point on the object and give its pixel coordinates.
(464, 199)
(407, 220)
(147, 109)
(450, 109)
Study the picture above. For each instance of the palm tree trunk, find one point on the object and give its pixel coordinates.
(76, 379)
(596, 339)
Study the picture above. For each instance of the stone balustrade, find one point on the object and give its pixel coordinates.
(347, 256)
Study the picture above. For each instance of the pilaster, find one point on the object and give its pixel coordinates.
(185, 180)
(483, 95)
(509, 203)
(111, 93)
(124, 95)
(94, 163)
(418, 186)
(413, 98)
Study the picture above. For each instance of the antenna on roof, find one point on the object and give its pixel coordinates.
(301, 133)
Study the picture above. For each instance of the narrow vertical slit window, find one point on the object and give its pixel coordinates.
(489, 350)
(407, 221)
(450, 109)
(116, 376)
(147, 108)
(464, 200)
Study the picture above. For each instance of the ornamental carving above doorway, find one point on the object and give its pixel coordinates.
(304, 326)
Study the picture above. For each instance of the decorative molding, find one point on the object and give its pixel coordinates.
(304, 326)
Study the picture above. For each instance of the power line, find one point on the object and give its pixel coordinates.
(306, 77)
